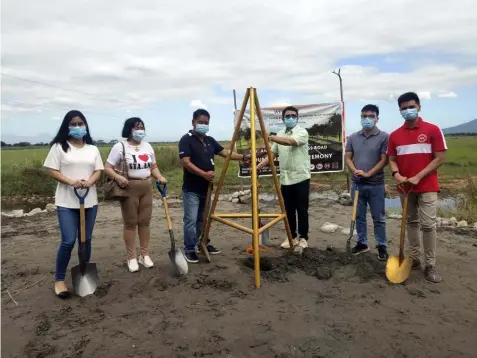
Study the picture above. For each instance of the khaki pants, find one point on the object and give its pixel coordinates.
(421, 215)
(137, 211)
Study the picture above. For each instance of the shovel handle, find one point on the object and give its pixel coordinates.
(162, 188)
(81, 197)
(355, 203)
(403, 227)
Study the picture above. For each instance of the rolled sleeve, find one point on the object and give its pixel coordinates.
(274, 148)
(300, 136)
(184, 147)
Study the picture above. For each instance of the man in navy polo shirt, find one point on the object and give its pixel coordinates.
(416, 150)
(366, 157)
(197, 151)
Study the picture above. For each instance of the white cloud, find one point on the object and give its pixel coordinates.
(447, 94)
(424, 95)
(197, 103)
(280, 103)
(119, 63)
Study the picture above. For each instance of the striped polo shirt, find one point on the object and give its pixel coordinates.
(414, 149)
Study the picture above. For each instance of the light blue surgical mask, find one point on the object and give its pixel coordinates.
(367, 123)
(201, 128)
(139, 134)
(290, 122)
(77, 132)
(409, 114)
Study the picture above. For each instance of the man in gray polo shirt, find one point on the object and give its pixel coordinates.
(366, 157)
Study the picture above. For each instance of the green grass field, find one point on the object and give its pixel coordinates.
(22, 172)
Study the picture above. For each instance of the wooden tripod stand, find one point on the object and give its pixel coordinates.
(255, 111)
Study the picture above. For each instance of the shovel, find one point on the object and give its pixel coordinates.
(399, 267)
(265, 235)
(85, 275)
(176, 256)
(203, 240)
(353, 218)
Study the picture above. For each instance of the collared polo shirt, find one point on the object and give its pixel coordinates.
(367, 151)
(294, 161)
(201, 152)
(414, 149)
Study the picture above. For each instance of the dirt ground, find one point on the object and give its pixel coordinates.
(324, 304)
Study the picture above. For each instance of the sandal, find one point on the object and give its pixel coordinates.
(61, 290)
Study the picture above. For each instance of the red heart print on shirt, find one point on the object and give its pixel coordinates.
(143, 157)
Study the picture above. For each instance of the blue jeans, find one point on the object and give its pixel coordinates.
(69, 222)
(374, 196)
(194, 206)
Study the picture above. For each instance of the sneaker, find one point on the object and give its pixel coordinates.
(382, 253)
(432, 274)
(286, 245)
(303, 243)
(212, 250)
(359, 249)
(133, 266)
(146, 261)
(192, 257)
(416, 264)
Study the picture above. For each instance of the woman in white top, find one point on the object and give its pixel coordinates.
(137, 208)
(74, 162)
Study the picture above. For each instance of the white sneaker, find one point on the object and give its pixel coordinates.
(303, 243)
(133, 266)
(286, 245)
(146, 261)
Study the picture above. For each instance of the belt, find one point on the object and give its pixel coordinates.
(139, 178)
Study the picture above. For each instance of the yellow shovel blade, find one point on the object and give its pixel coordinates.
(398, 273)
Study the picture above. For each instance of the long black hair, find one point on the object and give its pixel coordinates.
(64, 131)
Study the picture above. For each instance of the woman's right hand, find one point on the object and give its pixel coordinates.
(122, 181)
(77, 184)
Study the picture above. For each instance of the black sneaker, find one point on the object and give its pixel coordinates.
(416, 264)
(359, 249)
(192, 257)
(212, 250)
(382, 253)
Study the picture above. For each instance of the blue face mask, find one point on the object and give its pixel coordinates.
(201, 128)
(77, 132)
(367, 123)
(290, 122)
(139, 134)
(409, 114)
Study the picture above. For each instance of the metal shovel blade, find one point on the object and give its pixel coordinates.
(398, 273)
(179, 262)
(86, 282)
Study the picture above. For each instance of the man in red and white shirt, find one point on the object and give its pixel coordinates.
(416, 150)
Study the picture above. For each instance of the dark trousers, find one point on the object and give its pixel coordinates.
(297, 198)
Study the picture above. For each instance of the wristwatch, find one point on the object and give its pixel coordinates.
(394, 173)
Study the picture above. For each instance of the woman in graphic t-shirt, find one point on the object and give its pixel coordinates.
(74, 162)
(137, 208)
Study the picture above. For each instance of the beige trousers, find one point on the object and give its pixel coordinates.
(137, 211)
(421, 215)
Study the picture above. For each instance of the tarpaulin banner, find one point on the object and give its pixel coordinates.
(325, 136)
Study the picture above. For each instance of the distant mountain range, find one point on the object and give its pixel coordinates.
(469, 127)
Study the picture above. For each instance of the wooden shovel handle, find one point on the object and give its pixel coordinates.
(166, 210)
(403, 227)
(82, 224)
(355, 204)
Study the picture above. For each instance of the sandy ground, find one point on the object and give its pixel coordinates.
(216, 312)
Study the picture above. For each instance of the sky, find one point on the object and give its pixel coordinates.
(161, 60)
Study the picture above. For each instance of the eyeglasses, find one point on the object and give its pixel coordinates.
(290, 116)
